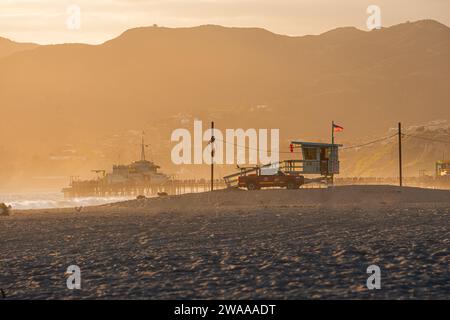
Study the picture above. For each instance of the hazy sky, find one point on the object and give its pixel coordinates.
(45, 21)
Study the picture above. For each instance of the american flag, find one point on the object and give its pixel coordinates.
(337, 128)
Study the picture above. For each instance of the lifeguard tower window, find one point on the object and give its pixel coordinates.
(309, 153)
(325, 153)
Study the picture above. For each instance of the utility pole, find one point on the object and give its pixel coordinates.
(142, 147)
(332, 147)
(400, 154)
(212, 155)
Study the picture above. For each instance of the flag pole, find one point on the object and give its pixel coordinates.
(332, 132)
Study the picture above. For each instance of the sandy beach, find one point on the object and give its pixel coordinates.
(234, 244)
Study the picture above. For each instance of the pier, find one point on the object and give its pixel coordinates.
(96, 188)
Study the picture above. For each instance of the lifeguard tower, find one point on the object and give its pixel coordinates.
(319, 159)
(316, 158)
(443, 168)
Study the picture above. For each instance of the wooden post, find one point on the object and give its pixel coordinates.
(400, 169)
(212, 155)
(332, 148)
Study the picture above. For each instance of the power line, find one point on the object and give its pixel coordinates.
(369, 143)
(250, 148)
(288, 152)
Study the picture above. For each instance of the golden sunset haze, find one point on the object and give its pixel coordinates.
(45, 21)
(72, 108)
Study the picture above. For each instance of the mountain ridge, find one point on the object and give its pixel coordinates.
(423, 23)
(8, 47)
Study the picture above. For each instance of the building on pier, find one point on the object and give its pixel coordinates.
(139, 177)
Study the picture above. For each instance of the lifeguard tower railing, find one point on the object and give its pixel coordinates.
(305, 166)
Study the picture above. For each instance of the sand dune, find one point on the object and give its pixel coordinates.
(338, 196)
(311, 243)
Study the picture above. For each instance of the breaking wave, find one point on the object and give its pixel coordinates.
(48, 200)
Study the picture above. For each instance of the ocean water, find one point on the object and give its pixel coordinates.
(48, 200)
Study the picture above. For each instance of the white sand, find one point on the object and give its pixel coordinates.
(311, 243)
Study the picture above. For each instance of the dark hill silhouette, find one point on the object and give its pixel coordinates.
(8, 47)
